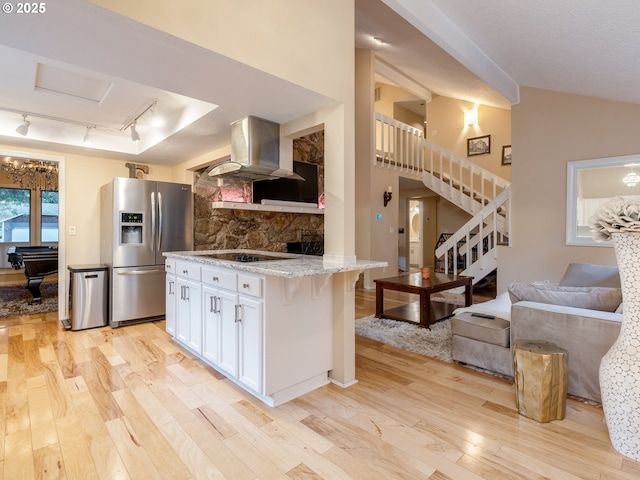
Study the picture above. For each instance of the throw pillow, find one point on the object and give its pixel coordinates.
(590, 275)
(500, 307)
(592, 298)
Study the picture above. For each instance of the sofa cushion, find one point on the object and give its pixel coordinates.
(590, 275)
(494, 331)
(592, 298)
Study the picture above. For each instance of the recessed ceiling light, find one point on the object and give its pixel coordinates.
(379, 40)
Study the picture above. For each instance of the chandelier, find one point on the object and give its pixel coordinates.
(31, 174)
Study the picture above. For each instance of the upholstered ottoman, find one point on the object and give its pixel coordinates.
(482, 342)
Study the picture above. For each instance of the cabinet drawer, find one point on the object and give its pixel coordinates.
(188, 269)
(170, 265)
(250, 285)
(219, 278)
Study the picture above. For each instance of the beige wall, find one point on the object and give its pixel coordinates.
(445, 127)
(549, 130)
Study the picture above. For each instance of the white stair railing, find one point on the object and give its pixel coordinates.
(477, 191)
(472, 249)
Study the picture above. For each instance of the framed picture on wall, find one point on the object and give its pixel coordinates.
(478, 145)
(506, 155)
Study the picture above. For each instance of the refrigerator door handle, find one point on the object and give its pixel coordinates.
(141, 272)
(159, 222)
(153, 218)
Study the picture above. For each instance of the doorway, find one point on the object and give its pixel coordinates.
(423, 233)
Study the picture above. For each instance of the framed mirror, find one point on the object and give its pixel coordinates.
(592, 183)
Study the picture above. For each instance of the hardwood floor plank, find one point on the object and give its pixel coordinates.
(78, 462)
(48, 463)
(218, 425)
(3, 417)
(190, 453)
(151, 440)
(369, 448)
(4, 365)
(134, 457)
(356, 468)
(216, 450)
(101, 379)
(303, 472)
(17, 401)
(106, 458)
(260, 464)
(43, 427)
(146, 398)
(18, 456)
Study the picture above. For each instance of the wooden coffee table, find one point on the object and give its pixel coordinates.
(414, 283)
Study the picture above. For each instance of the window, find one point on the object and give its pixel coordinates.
(15, 215)
(49, 216)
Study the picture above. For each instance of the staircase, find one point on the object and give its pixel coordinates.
(472, 250)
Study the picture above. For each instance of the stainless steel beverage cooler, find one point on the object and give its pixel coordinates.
(88, 301)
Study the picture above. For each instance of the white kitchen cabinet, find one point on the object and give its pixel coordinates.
(170, 303)
(270, 335)
(189, 313)
(188, 324)
(218, 310)
(233, 325)
(250, 339)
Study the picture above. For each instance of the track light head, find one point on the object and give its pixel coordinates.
(23, 128)
(135, 136)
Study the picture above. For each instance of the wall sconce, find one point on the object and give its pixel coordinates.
(387, 195)
(471, 117)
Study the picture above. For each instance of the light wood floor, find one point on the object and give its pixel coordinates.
(128, 403)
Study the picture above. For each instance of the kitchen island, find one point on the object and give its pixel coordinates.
(265, 323)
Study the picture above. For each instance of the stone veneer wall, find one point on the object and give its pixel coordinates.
(217, 229)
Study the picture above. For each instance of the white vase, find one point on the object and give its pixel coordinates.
(620, 367)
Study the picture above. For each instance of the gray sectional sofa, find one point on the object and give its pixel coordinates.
(580, 314)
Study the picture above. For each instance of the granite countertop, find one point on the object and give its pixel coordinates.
(291, 265)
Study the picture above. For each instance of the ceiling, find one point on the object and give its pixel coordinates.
(584, 47)
(476, 51)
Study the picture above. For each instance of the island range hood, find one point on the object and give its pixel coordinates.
(255, 152)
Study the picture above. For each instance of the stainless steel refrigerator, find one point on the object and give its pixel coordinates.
(140, 219)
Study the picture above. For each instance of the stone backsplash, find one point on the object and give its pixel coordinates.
(217, 229)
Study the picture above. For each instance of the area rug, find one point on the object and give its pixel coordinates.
(14, 301)
(435, 342)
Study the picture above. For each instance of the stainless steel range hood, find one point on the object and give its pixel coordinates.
(255, 152)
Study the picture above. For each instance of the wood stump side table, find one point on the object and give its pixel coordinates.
(541, 377)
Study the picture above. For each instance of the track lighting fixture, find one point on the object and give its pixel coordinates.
(156, 120)
(23, 128)
(135, 136)
(87, 140)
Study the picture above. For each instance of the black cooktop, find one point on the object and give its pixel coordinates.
(242, 257)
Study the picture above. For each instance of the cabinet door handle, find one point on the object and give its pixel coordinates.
(186, 293)
(216, 309)
(171, 290)
(238, 313)
(212, 304)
